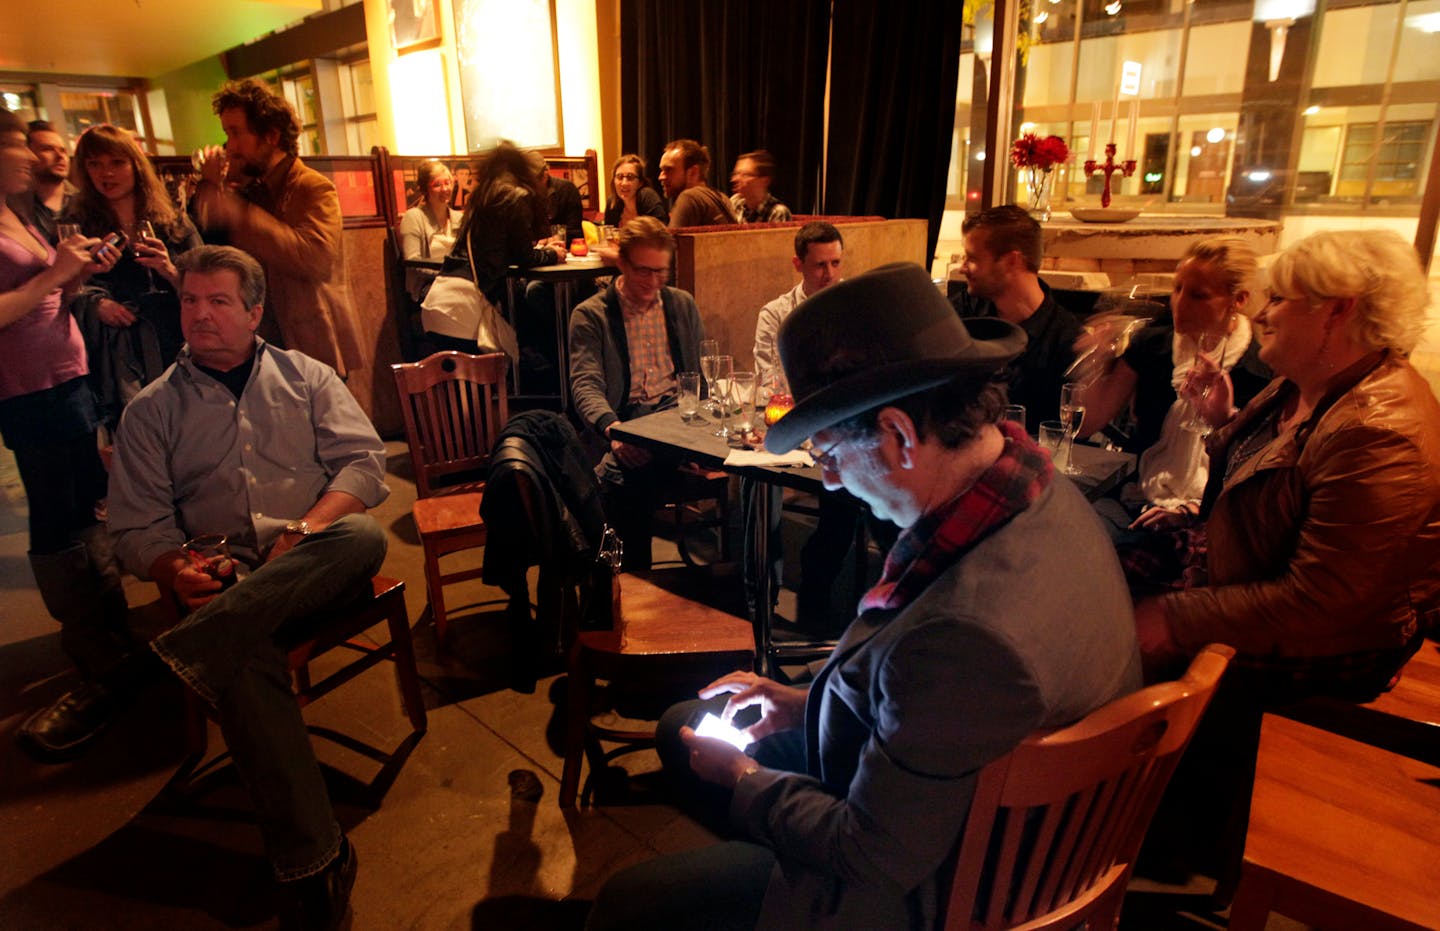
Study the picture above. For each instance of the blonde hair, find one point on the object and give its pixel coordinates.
(1234, 260)
(1376, 268)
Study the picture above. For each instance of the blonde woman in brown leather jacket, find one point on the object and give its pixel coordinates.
(1323, 508)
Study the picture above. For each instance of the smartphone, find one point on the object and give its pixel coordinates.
(712, 726)
(116, 239)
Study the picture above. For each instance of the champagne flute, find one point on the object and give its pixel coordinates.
(709, 356)
(1211, 347)
(144, 230)
(1072, 415)
(720, 406)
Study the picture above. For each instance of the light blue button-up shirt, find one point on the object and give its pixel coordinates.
(191, 459)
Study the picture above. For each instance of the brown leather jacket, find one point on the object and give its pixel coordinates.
(1326, 540)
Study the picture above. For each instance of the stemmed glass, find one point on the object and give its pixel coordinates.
(143, 231)
(721, 403)
(1211, 347)
(1072, 415)
(709, 356)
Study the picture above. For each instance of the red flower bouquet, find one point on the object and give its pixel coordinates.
(1032, 151)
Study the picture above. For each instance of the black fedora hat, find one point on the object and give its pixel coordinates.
(874, 338)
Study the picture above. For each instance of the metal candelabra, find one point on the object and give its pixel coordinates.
(1109, 167)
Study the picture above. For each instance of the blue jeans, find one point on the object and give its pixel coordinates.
(226, 651)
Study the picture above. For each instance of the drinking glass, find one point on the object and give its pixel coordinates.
(558, 232)
(741, 407)
(210, 553)
(1052, 437)
(1016, 414)
(709, 358)
(1210, 346)
(66, 230)
(1072, 415)
(144, 230)
(719, 405)
(689, 396)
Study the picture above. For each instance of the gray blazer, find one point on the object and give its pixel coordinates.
(1032, 628)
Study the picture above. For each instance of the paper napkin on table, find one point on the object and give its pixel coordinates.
(798, 458)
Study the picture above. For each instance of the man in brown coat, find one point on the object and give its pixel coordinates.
(259, 196)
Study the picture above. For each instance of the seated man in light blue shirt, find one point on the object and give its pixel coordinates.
(268, 447)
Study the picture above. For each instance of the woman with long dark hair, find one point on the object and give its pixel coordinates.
(631, 195)
(130, 315)
(504, 224)
(48, 419)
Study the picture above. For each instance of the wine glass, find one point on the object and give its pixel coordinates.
(709, 353)
(1211, 347)
(1072, 415)
(144, 230)
(720, 405)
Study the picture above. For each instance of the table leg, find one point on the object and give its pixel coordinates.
(763, 609)
(564, 300)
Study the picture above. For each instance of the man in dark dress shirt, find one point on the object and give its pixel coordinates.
(1002, 261)
(564, 205)
(52, 189)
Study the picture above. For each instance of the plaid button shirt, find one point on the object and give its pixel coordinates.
(652, 371)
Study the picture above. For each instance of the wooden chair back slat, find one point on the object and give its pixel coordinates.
(454, 406)
(1054, 826)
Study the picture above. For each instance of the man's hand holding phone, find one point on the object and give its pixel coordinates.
(781, 706)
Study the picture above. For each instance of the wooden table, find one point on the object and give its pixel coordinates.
(1342, 835)
(1404, 720)
(562, 279)
(667, 436)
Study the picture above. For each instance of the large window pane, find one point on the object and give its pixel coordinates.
(1419, 58)
(1213, 62)
(1355, 45)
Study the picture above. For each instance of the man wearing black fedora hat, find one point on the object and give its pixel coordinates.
(1001, 610)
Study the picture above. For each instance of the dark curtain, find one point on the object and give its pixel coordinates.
(892, 108)
(736, 75)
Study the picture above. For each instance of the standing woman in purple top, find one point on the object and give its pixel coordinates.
(48, 419)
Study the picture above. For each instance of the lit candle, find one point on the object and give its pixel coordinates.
(1094, 129)
(1130, 130)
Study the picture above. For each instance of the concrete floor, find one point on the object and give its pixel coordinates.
(468, 835)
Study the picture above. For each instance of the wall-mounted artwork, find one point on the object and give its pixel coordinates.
(413, 22)
(509, 76)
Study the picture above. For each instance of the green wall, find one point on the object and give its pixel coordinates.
(187, 96)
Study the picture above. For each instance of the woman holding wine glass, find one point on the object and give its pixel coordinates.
(48, 419)
(1322, 513)
(131, 314)
(1208, 307)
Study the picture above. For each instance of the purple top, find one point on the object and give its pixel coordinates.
(44, 348)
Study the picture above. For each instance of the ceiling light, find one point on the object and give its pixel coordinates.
(1041, 17)
(1311, 110)
(1215, 135)
(1112, 8)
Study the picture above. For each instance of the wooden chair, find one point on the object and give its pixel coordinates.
(659, 637)
(304, 640)
(454, 406)
(1056, 824)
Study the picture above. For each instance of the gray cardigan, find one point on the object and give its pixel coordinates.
(600, 355)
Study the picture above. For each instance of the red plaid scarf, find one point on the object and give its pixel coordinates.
(942, 536)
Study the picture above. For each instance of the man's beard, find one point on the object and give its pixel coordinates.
(49, 176)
